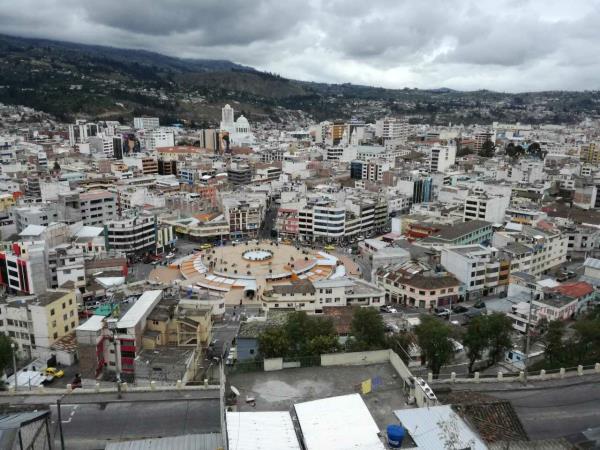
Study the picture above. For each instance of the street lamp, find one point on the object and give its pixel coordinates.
(13, 346)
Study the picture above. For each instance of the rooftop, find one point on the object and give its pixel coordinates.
(142, 306)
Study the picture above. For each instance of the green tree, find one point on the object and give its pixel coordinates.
(273, 342)
(56, 167)
(323, 344)
(500, 340)
(433, 337)
(476, 340)
(514, 151)
(6, 352)
(367, 329)
(555, 353)
(488, 149)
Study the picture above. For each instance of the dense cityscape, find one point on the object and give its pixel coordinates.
(197, 254)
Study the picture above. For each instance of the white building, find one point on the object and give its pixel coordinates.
(490, 208)
(145, 123)
(159, 137)
(442, 157)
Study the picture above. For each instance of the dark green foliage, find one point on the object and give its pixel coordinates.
(433, 336)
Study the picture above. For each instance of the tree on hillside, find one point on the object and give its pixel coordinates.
(367, 329)
(433, 337)
(488, 149)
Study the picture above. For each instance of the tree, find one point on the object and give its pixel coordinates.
(273, 342)
(476, 340)
(488, 149)
(6, 352)
(499, 333)
(56, 167)
(514, 151)
(323, 344)
(535, 150)
(400, 344)
(433, 337)
(367, 329)
(555, 354)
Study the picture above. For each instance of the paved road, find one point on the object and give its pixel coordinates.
(556, 412)
(90, 426)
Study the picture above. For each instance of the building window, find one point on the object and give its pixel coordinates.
(72, 324)
(64, 305)
(55, 335)
(66, 328)
(52, 312)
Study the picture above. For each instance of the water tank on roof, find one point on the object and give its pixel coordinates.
(395, 435)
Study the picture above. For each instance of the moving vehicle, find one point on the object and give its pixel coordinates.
(206, 246)
(479, 305)
(329, 248)
(460, 309)
(388, 309)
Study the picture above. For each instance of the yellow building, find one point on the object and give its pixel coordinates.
(6, 201)
(53, 316)
(590, 153)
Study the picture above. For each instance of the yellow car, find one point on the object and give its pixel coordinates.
(329, 247)
(53, 371)
(206, 246)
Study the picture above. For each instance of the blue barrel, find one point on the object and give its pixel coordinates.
(395, 435)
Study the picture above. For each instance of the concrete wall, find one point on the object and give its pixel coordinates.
(355, 358)
(399, 365)
(273, 364)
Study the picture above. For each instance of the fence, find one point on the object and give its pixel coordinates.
(537, 375)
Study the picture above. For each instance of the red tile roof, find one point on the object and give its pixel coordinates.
(575, 289)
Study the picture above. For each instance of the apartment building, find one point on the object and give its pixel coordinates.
(159, 137)
(42, 214)
(97, 207)
(539, 250)
(36, 322)
(482, 270)
(239, 175)
(491, 208)
(102, 146)
(442, 157)
(372, 171)
(461, 233)
(243, 216)
(590, 153)
(24, 271)
(144, 164)
(392, 128)
(131, 235)
(146, 123)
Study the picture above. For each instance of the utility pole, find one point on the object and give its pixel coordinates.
(13, 346)
(527, 325)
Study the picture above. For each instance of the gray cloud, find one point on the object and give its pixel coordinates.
(494, 44)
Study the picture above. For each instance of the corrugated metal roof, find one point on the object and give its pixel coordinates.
(592, 262)
(431, 428)
(207, 441)
(261, 431)
(338, 423)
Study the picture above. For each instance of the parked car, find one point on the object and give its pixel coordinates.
(388, 309)
(474, 312)
(329, 248)
(458, 347)
(442, 312)
(54, 372)
(479, 305)
(392, 328)
(460, 309)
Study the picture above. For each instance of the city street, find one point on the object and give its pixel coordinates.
(91, 420)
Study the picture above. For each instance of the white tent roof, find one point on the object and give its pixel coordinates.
(338, 423)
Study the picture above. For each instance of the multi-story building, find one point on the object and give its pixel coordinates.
(590, 153)
(412, 284)
(490, 208)
(97, 207)
(392, 128)
(159, 137)
(102, 146)
(146, 123)
(461, 233)
(539, 250)
(145, 164)
(239, 175)
(244, 216)
(131, 235)
(23, 270)
(304, 295)
(483, 270)
(442, 157)
(37, 321)
(167, 167)
(372, 171)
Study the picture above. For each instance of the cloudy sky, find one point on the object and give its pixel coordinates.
(504, 45)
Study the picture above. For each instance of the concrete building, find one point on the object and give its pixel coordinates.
(146, 123)
(97, 207)
(131, 235)
(442, 157)
(482, 270)
(491, 208)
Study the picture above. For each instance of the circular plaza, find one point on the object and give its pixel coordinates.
(249, 267)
